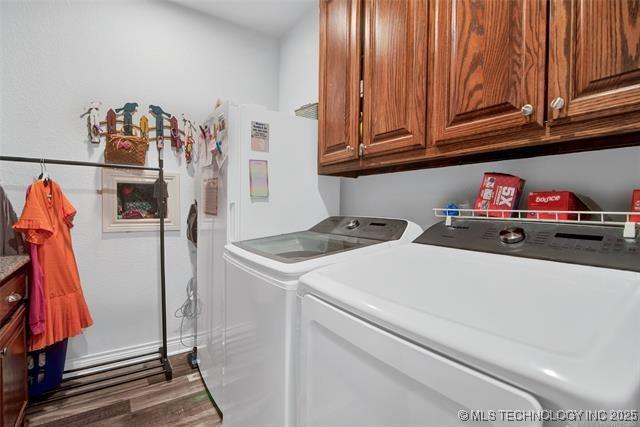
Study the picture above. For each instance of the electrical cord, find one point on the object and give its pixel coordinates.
(190, 308)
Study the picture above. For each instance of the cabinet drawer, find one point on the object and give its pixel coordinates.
(13, 370)
(12, 292)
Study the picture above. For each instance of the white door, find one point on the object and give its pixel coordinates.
(298, 197)
(354, 374)
(212, 237)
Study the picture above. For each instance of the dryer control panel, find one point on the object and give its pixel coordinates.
(382, 229)
(595, 245)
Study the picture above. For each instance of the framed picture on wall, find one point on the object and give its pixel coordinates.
(129, 201)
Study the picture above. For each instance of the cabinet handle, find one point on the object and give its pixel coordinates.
(3, 352)
(557, 103)
(526, 110)
(14, 297)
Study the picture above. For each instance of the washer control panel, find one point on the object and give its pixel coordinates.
(595, 245)
(382, 229)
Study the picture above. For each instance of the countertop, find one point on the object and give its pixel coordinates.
(9, 264)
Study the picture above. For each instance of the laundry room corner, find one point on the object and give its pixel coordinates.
(413, 194)
(153, 53)
(320, 213)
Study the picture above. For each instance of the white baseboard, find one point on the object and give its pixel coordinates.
(173, 347)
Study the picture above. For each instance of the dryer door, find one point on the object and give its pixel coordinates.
(355, 374)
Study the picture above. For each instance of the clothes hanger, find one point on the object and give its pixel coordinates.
(44, 175)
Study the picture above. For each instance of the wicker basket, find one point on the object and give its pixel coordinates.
(126, 149)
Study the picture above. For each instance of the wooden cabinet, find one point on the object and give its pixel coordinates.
(594, 59)
(489, 67)
(339, 111)
(13, 370)
(395, 76)
(13, 350)
(454, 81)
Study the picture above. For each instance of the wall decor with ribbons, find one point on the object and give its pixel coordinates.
(128, 142)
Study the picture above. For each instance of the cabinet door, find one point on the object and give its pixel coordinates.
(339, 103)
(13, 369)
(594, 58)
(395, 75)
(489, 64)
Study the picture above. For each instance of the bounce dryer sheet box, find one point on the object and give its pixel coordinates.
(499, 192)
(635, 206)
(554, 201)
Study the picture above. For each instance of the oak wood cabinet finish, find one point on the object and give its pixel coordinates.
(489, 64)
(485, 60)
(339, 110)
(13, 357)
(395, 81)
(594, 58)
(13, 369)
(12, 287)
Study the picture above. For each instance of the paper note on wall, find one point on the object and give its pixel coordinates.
(211, 196)
(259, 179)
(260, 136)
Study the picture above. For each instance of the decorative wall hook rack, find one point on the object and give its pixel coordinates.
(127, 142)
(93, 121)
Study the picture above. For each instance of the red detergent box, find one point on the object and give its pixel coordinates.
(499, 192)
(635, 206)
(554, 201)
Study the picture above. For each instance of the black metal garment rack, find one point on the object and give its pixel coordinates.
(116, 372)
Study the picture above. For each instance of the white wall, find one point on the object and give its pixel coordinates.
(56, 57)
(299, 63)
(607, 176)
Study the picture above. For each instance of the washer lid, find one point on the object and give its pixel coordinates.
(330, 236)
(554, 326)
(302, 245)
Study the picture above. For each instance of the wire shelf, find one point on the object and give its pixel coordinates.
(615, 219)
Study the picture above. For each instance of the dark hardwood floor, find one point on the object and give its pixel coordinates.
(145, 402)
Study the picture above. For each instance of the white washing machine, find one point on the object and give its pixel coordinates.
(261, 309)
(515, 321)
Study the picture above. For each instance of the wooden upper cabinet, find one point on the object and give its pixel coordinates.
(339, 101)
(395, 75)
(489, 67)
(594, 58)
(445, 80)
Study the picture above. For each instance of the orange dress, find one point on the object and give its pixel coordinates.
(46, 222)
